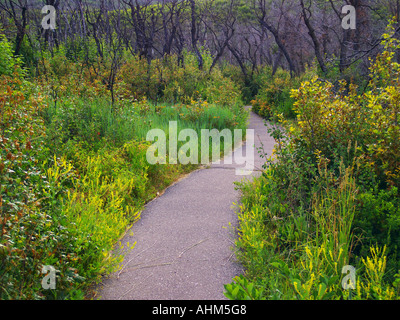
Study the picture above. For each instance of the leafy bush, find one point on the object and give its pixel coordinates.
(168, 81)
(329, 195)
(346, 124)
(329, 120)
(242, 289)
(32, 233)
(274, 96)
(294, 253)
(8, 62)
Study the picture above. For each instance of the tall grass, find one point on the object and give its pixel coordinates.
(107, 146)
(301, 255)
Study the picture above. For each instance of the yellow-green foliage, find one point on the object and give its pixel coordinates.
(165, 79)
(329, 196)
(329, 119)
(309, 266)
(274, 98)
(8, 63)
(98, 213)
(59, 77)
(373, 286)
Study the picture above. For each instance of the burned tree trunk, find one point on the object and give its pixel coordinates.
(195, 35)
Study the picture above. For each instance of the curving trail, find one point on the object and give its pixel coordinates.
(184, 239)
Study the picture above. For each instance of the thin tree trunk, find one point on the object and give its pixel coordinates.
(280, 45)
(194, 35)
(311, 32)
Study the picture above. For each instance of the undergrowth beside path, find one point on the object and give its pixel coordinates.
(328, 201)
(74, 174)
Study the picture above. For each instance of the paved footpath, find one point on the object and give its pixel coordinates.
(184, 241)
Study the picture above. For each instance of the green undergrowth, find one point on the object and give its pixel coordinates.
(74, 174)
(329, 195)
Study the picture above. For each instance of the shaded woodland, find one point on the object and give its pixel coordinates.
(249, 34)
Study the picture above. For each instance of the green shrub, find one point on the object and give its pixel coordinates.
(377, 223)
(298, 253)
(329, 196)
(167, 81)
(274, 96)
(8, 62)
(33, 233)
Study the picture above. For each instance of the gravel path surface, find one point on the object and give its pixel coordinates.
(185, 237)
